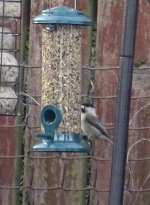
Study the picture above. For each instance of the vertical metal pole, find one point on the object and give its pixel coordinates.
(124, 98)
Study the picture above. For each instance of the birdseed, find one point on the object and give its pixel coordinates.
(61, 73)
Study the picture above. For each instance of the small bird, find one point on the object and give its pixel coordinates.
(91, 125)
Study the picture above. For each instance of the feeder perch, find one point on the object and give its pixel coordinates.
(57, 141)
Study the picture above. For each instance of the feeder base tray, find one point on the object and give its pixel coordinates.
(56, 146)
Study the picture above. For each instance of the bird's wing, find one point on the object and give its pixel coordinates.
(93, 120)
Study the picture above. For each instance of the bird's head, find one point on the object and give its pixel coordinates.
(88, 108)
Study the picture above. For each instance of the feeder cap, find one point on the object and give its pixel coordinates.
(62, 15)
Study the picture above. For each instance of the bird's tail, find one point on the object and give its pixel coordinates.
(110, 140)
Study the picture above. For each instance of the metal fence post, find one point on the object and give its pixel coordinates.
(124, 98)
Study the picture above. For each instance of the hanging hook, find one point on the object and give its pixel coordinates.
(50, 6)
(75, 4)
(61, 2)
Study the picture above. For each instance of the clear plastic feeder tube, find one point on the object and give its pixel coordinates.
(61, 73)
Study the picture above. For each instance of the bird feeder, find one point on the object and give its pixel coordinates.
(61, 79)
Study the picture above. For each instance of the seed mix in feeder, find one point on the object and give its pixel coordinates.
(61, 74)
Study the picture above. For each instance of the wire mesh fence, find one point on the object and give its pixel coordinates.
(10, 32)
(10, 75)
(67, 178)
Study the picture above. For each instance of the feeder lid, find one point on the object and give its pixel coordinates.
(62, 15)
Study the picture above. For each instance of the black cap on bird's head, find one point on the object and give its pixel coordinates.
(87, 107)
(83, 108)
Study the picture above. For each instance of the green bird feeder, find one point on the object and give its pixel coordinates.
(61, 80)
(61, 106)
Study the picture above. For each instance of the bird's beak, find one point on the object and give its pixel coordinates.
(82, 106)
